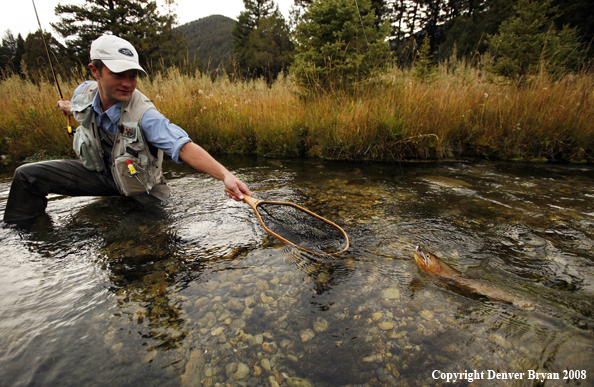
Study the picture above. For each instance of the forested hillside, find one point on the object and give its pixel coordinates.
(209, 40)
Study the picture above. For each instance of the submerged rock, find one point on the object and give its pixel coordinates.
(320, 325)
(298, 382)
(194, 369)
(242, 371)
(391, 293)
(427, 314)
(270, 348)
(307, 335)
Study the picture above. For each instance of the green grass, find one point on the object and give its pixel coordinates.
(460, 113)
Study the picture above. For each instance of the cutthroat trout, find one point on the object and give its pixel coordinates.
(433, 265)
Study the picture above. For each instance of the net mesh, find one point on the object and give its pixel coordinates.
(302, 228)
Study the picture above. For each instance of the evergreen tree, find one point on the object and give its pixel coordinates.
(261, 43)
(137, 21)
(334, 50)
(258, 9)
(247, 22)
(379, 6)
(528, 42)
(578, 14)
(241, 35)
(269, 48)
(11, 52)
(424, 68)
(36, 59)
(412, 19)
(436, 13)
(467, 32)
(462, 24)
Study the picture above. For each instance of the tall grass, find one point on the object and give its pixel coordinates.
(30, 122)
(395, 117)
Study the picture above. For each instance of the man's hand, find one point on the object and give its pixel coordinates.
(64, 106)
(237, 186)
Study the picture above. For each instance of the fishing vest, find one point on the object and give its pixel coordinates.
(135, 164)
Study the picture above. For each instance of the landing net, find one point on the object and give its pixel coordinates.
(302, 228)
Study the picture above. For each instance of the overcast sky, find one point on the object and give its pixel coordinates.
(19, 15)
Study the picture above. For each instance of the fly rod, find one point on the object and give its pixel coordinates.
(69, 127)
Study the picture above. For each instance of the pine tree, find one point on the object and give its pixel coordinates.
(334, 50)
(259, 9)
(261, 24)
(35, 57)
(423, 67)
(528, 42)
(137, 21)
(11, 52)
(269, 48)
(578, 14)
(241, 35)
(248, 20)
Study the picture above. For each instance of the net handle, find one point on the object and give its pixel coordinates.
(254, 204)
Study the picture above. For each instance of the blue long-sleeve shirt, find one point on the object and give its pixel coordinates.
(157, 129)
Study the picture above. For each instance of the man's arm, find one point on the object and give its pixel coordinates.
(202, 161)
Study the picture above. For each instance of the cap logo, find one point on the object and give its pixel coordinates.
(126, 52)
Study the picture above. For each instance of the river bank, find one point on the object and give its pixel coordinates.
(462, 113)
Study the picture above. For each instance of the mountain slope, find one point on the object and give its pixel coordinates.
(210, 40)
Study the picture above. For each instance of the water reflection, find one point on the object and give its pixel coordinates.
(141, 259)
(196, 293)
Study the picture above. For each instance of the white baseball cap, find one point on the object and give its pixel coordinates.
(116, 53)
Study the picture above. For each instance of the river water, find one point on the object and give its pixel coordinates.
(104, 291)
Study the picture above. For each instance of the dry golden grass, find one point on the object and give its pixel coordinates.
(460, 113)
(30, 123)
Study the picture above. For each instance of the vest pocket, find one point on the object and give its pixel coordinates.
(131, 180)
(87, 150)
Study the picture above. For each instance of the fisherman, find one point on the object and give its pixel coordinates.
(120, 142)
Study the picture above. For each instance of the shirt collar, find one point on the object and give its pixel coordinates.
(113, 113)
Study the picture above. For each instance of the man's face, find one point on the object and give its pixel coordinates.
(114, 87)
